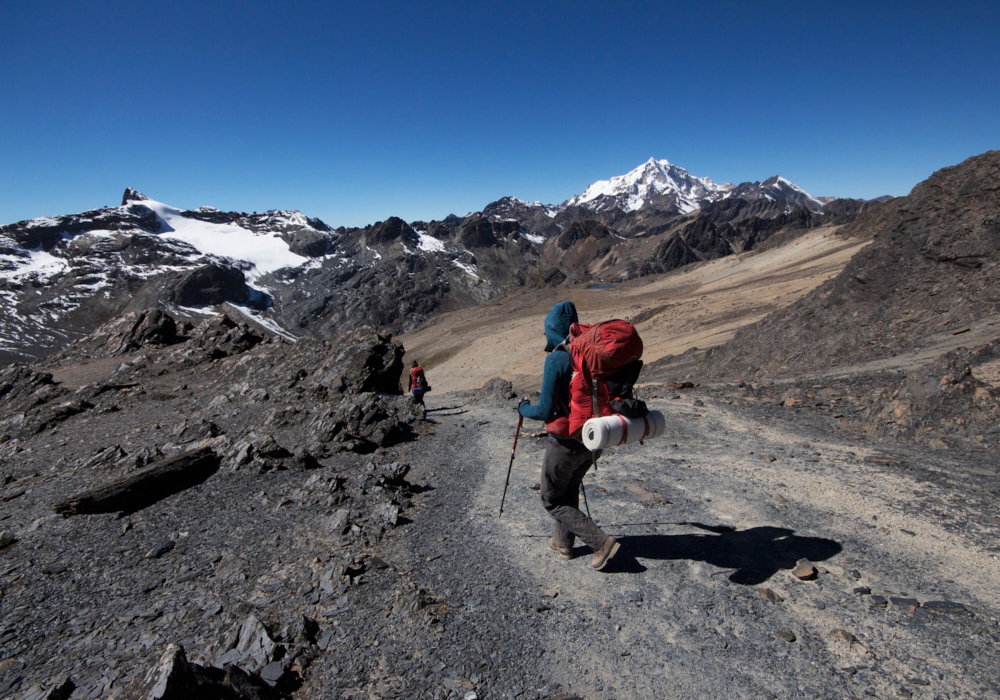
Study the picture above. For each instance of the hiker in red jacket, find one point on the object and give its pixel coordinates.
(566, 460)
(418, 383)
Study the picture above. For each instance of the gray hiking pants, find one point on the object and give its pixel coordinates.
(563, 468)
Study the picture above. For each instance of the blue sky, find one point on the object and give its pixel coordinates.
(357, 111)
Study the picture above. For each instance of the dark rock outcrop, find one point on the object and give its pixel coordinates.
(941, 401)
(478, 233)
(391, 230)
(580, 231)
(209, 285)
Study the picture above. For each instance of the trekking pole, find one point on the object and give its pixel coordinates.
(583, 490)
(520, 419)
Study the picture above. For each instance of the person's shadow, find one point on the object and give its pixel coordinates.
(755, 554)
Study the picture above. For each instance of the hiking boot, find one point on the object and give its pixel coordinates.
(565, 552)
(603, 555)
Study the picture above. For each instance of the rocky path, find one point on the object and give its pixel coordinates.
(454, 602)
(702, 602)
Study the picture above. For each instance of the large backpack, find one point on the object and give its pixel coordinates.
(606, 365)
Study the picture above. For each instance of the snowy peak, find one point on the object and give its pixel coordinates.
(777, 188)
(663, 185)
(655, 182)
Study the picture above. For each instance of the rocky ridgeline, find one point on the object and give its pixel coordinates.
(62, 276)
(931, 271)
(928, 278)
(347, 391)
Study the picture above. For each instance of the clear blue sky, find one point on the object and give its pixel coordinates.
(355, 111)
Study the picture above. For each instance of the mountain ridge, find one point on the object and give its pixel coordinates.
(61, 275)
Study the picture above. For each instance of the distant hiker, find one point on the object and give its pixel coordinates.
(418, 383)
(566, 460)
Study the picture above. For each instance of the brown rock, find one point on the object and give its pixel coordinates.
(804, 570)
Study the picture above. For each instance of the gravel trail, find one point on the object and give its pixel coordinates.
(701, 602)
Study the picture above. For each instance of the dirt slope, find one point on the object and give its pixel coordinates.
(699, 306)
(930, 274)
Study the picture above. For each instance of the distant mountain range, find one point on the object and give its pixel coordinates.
(61, 276)
(660, 184)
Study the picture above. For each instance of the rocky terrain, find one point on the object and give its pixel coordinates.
(389, 574)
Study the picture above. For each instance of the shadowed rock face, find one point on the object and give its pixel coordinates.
(580, 231)
(208, 286)
(390, 230)
(478, 234)
(930, 270)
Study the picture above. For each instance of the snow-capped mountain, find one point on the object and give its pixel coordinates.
(777, 188)
(661, 185)
(656, 183)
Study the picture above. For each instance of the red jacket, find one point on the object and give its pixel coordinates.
(417, 378)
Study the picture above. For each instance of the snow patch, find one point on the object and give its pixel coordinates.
(261, 320)
(429, 243)
(263, 251)
(466, 268)
(37, 263)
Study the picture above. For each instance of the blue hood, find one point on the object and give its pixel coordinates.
(557, 323)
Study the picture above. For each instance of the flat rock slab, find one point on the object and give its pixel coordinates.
(944, 606)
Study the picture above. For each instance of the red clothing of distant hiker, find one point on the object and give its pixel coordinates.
(417, 378)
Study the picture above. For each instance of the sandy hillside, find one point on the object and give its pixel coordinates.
(699, 306)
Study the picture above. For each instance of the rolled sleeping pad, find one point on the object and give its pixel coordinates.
(610, 431)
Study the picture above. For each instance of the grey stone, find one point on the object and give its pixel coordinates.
(151, 584)
(339, 522)
(324, 640)
(230, 657)
(903, 602)
(255, 645)
(272, 672)
(160, 549)
(389, 514)
(212, 610)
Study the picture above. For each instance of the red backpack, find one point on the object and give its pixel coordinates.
(605, 359)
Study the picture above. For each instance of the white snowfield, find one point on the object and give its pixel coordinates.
(264, 251)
